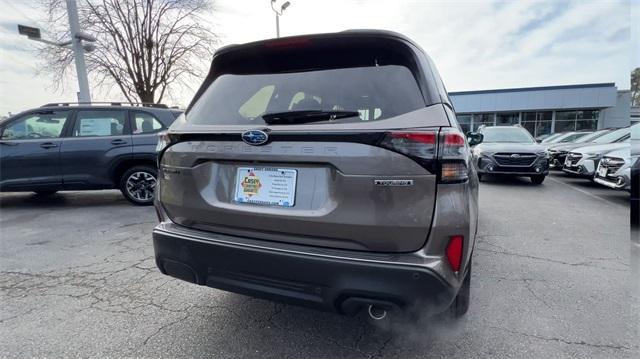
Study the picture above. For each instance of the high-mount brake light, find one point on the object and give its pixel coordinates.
(288, 43)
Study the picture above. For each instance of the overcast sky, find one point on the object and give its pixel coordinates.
(475, 44)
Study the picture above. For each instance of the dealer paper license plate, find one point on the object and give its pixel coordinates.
(266, 186)
(602, 171)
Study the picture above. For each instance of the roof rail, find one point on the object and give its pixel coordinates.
(114, 103)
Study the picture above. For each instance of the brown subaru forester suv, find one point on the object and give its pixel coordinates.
(325, 170)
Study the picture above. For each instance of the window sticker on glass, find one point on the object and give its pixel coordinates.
(95, 127)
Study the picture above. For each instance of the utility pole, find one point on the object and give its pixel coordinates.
(278, 14)
(78, 52)
(75, 44)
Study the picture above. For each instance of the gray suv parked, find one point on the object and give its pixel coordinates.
(325, 170)
(83, 146)
(510, 151)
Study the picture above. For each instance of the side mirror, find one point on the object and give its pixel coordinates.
(474, 138)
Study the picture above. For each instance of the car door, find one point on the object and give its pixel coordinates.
(100, 139)
(30, 150)
(144, 128)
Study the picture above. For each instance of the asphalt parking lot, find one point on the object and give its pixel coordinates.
(551, 280)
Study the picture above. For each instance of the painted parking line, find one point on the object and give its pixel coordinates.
(585, 192)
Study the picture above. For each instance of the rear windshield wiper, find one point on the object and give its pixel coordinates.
(305, 116)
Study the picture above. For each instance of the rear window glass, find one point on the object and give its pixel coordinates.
(375, 92)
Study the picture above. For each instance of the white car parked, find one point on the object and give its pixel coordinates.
(614, 170)
(583, 161)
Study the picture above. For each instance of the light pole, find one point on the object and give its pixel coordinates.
(33, 33)
(278, 14)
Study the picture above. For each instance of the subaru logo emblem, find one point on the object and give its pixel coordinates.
(515, 155)
(255, 137)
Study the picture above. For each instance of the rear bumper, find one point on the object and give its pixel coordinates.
(319, 279)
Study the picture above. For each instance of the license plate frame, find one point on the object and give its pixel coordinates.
(602, 171)
(266, 186)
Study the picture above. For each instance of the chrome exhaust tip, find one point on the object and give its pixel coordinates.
(376, 313)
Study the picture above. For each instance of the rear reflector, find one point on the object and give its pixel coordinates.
(454, 252)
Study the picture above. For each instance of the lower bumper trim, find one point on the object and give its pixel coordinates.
(320, 282)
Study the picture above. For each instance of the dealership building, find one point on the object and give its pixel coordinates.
(544, 110)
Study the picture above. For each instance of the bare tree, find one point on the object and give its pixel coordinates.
(144, 47)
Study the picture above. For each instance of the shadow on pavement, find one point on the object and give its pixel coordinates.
(506, 180)
(27, 200)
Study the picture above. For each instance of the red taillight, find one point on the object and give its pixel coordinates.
(449, 144)
(421, 144)
(454, 252)
(454, 139)
(422, 137)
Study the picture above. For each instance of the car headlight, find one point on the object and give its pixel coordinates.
(542, 153)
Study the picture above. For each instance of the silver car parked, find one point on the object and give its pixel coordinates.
(324, 170)
(583, 161)
(614, 170)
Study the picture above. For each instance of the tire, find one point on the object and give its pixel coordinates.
(138, 183)
(45, 193)
(460, 304)
(537, 179)
(479, 177)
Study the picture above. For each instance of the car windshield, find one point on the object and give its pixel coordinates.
(551, 138)
(565, 137)
(507, 135)
(613, 136)
(590, 137)
(635, 131)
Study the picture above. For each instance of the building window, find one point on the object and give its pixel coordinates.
(485, 119)
(537, 123)
(507, 119)
(576, 120)
(465, 122)
(587, 120)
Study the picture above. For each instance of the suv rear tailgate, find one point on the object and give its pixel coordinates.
(337, 203)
